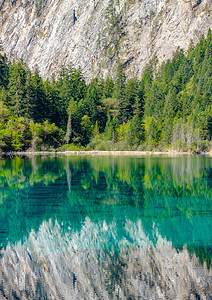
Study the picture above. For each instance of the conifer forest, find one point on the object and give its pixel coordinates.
(170, 107)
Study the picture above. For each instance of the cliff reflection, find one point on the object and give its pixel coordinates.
(172, 193)
(95, 263)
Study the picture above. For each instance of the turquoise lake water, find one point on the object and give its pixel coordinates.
(105, 227)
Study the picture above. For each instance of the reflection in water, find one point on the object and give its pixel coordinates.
(105, 228)
(58, 264)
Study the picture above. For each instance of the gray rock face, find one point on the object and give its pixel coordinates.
(96, 34)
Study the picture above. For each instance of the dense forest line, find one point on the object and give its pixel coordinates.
(169, 108)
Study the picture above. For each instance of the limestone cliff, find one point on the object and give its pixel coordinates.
(95, 34)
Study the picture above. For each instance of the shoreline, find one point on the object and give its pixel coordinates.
(107, 153)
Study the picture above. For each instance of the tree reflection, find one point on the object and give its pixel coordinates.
(173, 194)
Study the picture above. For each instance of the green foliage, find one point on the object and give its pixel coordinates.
(45, 136)
(14, 134)
(17, 80)
(70, 147)
(95, 131)
(4, 112)
(169, 108)
(4, 72)
(87, 129)
(178, 99)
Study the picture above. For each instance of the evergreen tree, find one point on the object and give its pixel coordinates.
(16, 88)
(108, 88)
(40, 109)
(131, 95)
(119, 93)
(4, 72)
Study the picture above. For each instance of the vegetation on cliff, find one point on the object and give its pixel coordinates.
(170, 107)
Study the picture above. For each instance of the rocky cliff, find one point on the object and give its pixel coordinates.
(96, 34)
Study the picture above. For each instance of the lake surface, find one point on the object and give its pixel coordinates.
(105, 227)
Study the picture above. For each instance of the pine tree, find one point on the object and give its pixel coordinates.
(4, 72)
(95, 131)
(29, 97)
(40, 109)
(131, 94)
(16, 88)
(119, 93)
(108, 88)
